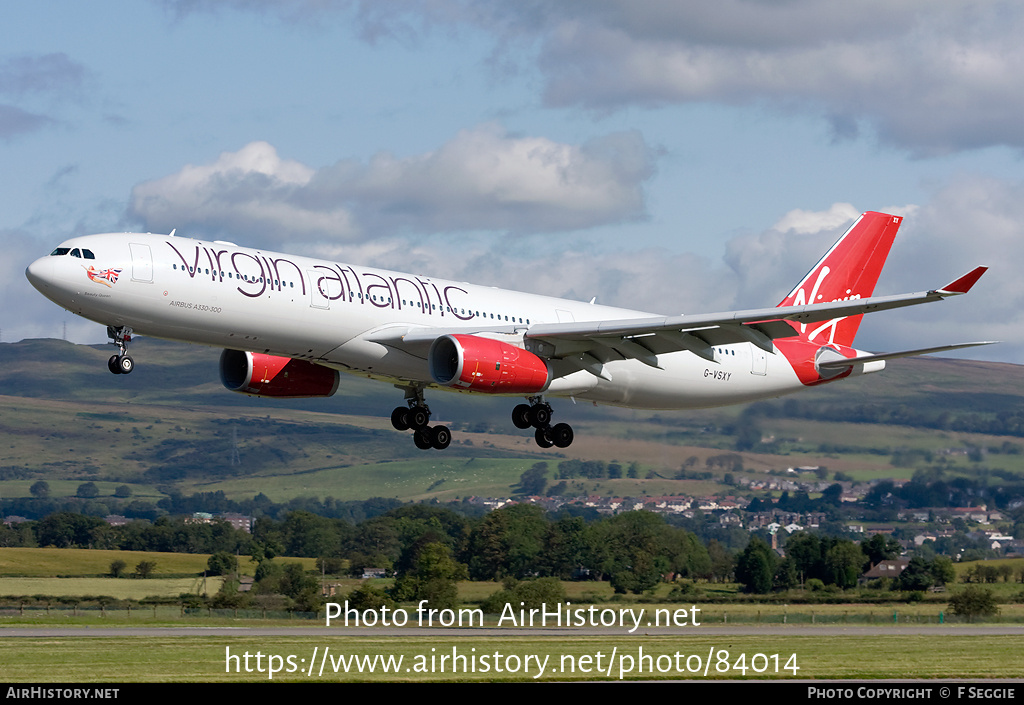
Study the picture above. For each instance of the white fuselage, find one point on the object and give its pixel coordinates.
(223, 295)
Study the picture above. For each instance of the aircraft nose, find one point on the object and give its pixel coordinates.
(40, 273)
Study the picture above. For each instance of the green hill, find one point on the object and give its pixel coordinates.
(171, 426)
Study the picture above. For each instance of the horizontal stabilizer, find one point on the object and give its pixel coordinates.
(850, 361)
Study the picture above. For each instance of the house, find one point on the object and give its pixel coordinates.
(884, 569)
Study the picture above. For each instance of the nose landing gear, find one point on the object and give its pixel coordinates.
(122, 363)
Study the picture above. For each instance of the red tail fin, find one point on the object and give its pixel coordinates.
(849, 270)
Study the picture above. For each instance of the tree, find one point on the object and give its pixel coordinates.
(564, 547)
(534, 480)
(722, 562)
(299, 585)
(526, 594)
(508, 541)
(916, 576)
(144, 569)
(942, 570)
(40, 489)
(117, 568)
(123, 492)
(87, 490)
(755, 567)
(367, 597)
(636, 549)
(973, 601)
(844, 561)
(880, 548)
(67, 530)
(221, 563)
(433, 578)
(804, 549)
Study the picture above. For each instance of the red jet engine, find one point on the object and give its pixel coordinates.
(484, 365)
(273, 376)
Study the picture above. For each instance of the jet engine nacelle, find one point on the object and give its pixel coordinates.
(273, 376)
(484, 365)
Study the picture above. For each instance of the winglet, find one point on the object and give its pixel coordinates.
(964, 283)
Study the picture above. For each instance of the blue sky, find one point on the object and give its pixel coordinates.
(666, 156)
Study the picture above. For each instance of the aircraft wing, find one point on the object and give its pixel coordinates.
(593, 343)
(589, 344)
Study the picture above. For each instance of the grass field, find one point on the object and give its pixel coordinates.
(944, 654)
(52, 562)
(118, 588)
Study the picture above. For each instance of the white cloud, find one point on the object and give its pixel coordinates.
(971, 221)
(483, 179)
(930, 81)
(249, 192)
(804, 222)
(931, 78)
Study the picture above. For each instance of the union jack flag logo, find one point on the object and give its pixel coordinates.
(108, 277)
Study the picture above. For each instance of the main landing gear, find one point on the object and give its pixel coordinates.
(538, 415)
(416, 415)
(122, 363)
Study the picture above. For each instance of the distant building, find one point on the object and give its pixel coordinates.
(884, 569)
(239, 521)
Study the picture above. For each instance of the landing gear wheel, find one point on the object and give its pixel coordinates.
(126, 364)
(440, 437)
(418, 418)
(542, 438)
(561, 435)
(400, 418)
(521, 416)
(113, 365)
(422, 439)
(540, 415)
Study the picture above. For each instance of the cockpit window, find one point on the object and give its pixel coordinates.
(80, 253)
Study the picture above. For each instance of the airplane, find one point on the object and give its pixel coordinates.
(290, 325)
